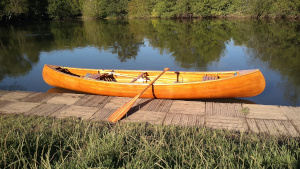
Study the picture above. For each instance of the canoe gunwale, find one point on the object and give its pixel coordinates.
(247, 72)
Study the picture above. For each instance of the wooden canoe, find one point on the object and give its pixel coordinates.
(171, 85)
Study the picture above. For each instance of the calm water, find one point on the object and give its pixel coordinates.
(197, 45)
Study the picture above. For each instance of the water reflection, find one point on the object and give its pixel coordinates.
(13, 87)
(193, 44)
(20, 48)
(278, 45)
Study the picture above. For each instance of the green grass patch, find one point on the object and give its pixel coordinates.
(40, 142)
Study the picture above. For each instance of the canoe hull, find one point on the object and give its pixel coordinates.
(243, 85)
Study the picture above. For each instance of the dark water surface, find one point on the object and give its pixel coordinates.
(193, 45)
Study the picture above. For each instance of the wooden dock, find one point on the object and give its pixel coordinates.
(274, 120)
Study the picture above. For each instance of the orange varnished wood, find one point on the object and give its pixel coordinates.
(245, 84)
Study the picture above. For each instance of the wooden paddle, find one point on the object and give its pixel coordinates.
(117, 115)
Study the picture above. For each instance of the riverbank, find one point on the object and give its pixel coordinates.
(25, 10)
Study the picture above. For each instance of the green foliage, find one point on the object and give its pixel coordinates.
(90, 8)
(60, 9)
(272, 8)
(139, 8)
(2, 6)
(15, 8)
(285, 8)
(37, 9)
(201, 8)
(182, 8)
(164, 9)
(116, 8)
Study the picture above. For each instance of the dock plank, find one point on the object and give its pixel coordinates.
(3, 92)
(93, 101)
(200, 121)
(185, 119)
(192, 120)
(117, 102)
(16, 95)
(281, 127)
(177, 119)
(224, 109)
(65, 98)
(102, 114)
(168, 119)
(265, 112)
(39, 97)
(18, 107)
(252, 125)
(4, 103)
(146, 116)
(76, 111)
(296, 124)
(230, 123)
(143, 104)
(165, 105)
(44, 109)
(292, 113)
(271, 127)
(187, 107)
(158, 105)
(262, 126)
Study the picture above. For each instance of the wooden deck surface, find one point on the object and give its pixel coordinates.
(274, 120)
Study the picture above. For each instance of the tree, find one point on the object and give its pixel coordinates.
(201, 8)
(37, 9)
(15, 8)
(164, 9)
(90, 8)
(116, 8)
(59, 9)
(139, 8)
(182, 8)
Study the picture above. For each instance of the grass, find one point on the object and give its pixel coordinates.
(40, 142)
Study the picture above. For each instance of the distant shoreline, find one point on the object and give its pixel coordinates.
(72, 9)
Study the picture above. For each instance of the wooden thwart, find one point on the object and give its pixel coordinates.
(140, 76)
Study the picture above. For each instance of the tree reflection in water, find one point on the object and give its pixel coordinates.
(194, 44)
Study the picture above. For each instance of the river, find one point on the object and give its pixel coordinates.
(152, 44)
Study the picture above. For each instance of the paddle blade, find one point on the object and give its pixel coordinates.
(117, 115)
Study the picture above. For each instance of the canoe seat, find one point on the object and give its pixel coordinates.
(101, 76)
(95, 76)
(206, 78)
(66, 71)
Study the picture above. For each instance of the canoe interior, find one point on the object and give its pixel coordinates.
(171, 85)
(131, 76)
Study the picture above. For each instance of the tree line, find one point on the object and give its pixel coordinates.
(68, 9)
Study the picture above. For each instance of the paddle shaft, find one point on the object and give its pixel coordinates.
(117, 115)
